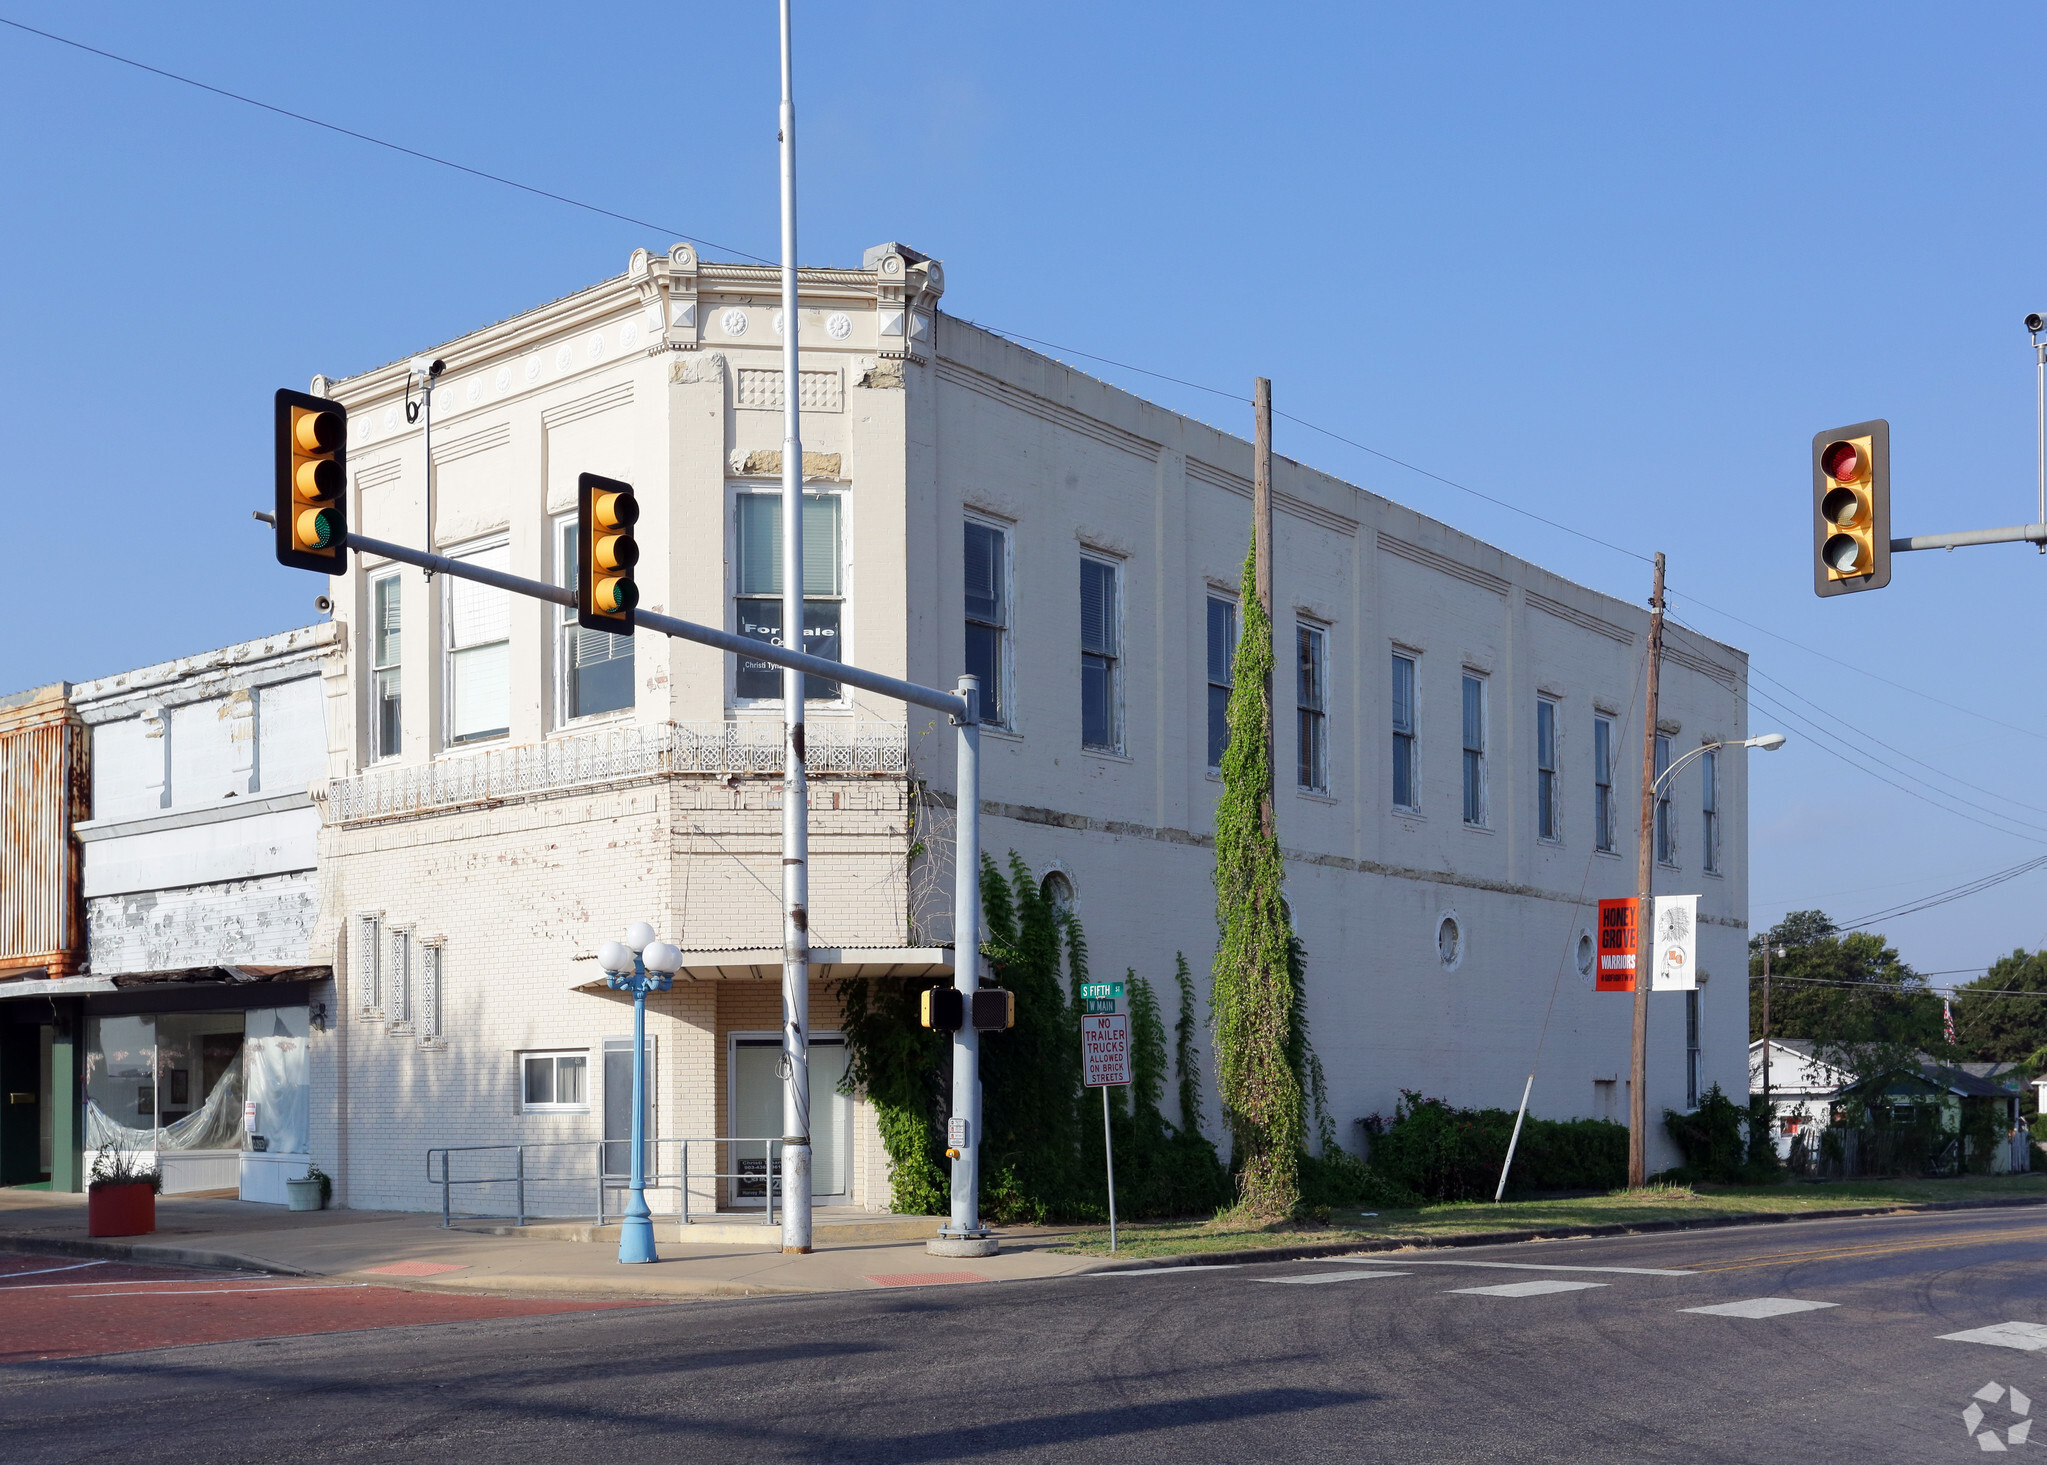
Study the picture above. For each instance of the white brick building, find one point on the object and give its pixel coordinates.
(513, 793)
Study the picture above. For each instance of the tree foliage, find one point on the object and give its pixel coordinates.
(1252, 1000)
(1850, 993)
(2001, 1029)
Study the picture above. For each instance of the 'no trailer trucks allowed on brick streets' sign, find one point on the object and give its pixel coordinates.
(1105, 1048)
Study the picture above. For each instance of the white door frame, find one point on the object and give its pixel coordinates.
(830, 1037)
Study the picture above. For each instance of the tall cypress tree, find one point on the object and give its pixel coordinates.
(1252, 999)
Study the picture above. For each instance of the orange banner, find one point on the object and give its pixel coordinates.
(1616, 972)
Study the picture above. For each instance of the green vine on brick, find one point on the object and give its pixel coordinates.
(1252, 1001)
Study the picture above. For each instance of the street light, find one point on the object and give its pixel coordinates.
(639, 965)
(1768, 742)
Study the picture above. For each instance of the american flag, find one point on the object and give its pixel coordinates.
(1947, 1018)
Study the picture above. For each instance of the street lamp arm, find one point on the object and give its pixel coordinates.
(1768, 742)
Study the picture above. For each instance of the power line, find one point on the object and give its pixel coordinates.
(377, 141)
(1967, 888)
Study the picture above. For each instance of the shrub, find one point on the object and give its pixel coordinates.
(1445, 1153)
(1715, 1147)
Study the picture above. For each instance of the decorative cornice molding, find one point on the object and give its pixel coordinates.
(1046, 410)
(1584, 620)
(1430, 559)
(617, 394)
(1725, 675)
(497, 435)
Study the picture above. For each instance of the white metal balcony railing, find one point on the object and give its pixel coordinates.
(636, 751)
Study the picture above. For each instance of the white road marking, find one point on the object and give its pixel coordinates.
(1413, 1261)
(1526, 1289)
(44, 1271)
(1760, 1307)
(1318, 1277)
(2026, 1337)
(218, 1291)
(1161, 1271)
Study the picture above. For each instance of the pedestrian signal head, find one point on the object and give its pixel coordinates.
(606, 554)
(312, 483)
(1851, 488)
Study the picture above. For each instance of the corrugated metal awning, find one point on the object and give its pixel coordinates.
(195, 976)
(764, 964)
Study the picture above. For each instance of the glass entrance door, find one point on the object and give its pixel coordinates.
(757, 1114)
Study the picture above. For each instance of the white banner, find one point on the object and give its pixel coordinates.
(1675, 951)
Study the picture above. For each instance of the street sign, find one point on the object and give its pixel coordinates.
(956, 1132)
(1676, 950)
(1616, 971)
(1105, 1049)
(1101, 996)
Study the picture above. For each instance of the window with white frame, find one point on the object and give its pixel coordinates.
(1602, 783)
(1709, 807)
(387, 727)
(758, 590)
(1474, 749)
(1406, 789)
(555, 1082)
(1666, 822)
(1222, 675)
(1101, 644)
(369, 961)
(398, 980)
(433, 965)
(987, 617)
(1311, 707)
(478, 622)
(593, 669)
(1546, 826)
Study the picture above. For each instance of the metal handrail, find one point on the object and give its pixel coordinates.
(657, 1178)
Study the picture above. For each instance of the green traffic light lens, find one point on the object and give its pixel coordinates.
(317, 528)
(1843, 554)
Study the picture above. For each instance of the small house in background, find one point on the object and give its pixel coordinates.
(182, 991)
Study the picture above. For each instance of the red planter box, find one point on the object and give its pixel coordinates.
(120, 1210)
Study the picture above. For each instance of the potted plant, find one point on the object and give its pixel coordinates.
(120, 1199)
(311, 1191)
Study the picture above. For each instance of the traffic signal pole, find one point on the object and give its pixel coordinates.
(795, 782)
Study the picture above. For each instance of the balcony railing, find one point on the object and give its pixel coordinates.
(613, 755)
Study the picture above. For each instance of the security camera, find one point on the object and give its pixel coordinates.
(323, 604)
(440, 366)
(2036, 323)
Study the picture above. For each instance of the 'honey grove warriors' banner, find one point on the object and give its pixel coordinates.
(1675, 950)
(1616, 970)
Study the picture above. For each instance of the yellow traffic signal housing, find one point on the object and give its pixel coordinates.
(606, 552)
(943, 1008)
(312, 483)
(1851, 502)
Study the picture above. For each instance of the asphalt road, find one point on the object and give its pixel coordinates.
(1592, 1353)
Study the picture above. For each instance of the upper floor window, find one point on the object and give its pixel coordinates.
(387, 728)
(1709, 777)
(1101, 644)
(1602, 783)
(1222, 675)
(1666, 831)
(1406, 794)
(1311, 710)
(987, 607)
(759, 589)
(1474, 749)
(479, 646)
(1546, 769)
(593, 669)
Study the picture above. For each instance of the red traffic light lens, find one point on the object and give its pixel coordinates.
(1844, 462)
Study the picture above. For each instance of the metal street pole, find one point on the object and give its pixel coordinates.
(963, 1233)
(1645, 871)
(639, 965)
(795, 778)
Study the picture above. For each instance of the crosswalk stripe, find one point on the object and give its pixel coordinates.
(1760, 1307)
(1526, 1289)
(1319, 1277)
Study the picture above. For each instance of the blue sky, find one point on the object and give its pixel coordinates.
(1615, 264)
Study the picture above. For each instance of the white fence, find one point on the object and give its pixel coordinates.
(637, 751)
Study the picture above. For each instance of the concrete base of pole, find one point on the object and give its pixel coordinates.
(982, 1245)
(795, 1251)
(636, 1240)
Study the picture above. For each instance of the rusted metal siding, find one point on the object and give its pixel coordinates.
(43, 791)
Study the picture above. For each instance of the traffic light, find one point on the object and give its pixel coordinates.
(943, 1008)
(994, 1009)
(312, 483)
(1851, 504)
(606, 552)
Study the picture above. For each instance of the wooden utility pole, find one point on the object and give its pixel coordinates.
(1645, 873)
(1261, 539)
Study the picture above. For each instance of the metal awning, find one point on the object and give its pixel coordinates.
(764, 964)
(202, 976)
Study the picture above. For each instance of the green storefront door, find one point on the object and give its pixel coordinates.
(25, 1132)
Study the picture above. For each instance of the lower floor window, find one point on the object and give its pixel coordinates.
(557, 1080)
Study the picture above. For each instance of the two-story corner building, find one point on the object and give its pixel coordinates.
(196, 996)
(1460, 732)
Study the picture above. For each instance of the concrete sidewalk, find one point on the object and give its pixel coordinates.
(411, 1249)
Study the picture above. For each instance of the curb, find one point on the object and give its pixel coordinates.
(1310, 1250)
(156, 1253)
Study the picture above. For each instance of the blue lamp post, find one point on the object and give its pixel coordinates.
(639, 965)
